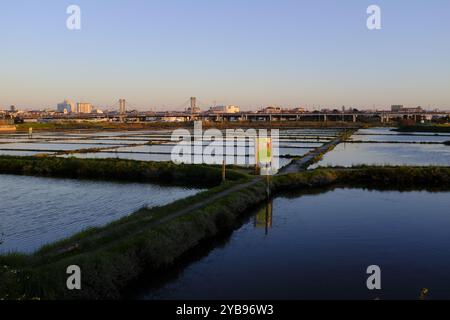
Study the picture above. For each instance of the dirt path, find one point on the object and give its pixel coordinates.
(188, 209)
(205, 202)
(303, 163)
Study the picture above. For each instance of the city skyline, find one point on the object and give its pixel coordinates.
(253, 54)
(204, 107)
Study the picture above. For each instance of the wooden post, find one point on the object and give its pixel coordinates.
(224, 168)
(30, 133)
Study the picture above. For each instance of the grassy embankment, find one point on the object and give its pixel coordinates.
(114, 256)
(116, 169)
(437, 128)
(113, 126)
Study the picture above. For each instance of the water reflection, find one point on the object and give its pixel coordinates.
(382, 146)
(35, 211)
(320, 248)
(264, 217)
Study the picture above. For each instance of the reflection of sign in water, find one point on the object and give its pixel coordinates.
(263, 219)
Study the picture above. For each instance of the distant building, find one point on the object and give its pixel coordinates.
(193, 108)
(122, 106)
(66, 106)
(400, 108)
(173, 119)
(413, 110)
(299, 110)
(225, 109)
(272, 110)
(12, 109)
(396, 108)
(83, 107)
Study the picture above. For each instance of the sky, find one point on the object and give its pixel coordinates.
(251, 53)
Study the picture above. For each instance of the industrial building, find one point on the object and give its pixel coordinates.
(400, 108)
(225, 109)
(83, 107)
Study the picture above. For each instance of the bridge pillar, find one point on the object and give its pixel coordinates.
(354, 117)
(325, 119)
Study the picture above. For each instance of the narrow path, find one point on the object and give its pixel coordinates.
(205, 202)
(188, 209)
(304, 162)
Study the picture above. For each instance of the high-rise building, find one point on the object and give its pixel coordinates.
(66, 106)
(84, 107)
(193, 108)
(122, 106)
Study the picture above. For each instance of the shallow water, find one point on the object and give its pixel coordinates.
(319, 247)
(348, 154)
(384, 153)
(386, 134)
(292, 142)
(35, 211)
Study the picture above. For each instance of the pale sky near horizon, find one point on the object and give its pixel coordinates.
(158, 53)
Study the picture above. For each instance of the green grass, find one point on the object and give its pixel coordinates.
(116, 169)
(86, 125)
(438, 128)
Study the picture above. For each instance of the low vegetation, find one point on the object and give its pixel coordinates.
(116, 169)
(437, 128)
(86, 125)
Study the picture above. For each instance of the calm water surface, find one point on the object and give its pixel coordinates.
(349, 154)
(319, 247)
(35, 211)
(366, 153)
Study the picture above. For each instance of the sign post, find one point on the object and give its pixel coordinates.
(263, 155)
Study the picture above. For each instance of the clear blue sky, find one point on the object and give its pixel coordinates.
(158, 53)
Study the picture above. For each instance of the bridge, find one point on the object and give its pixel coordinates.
(380, 116)
(192, 113)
